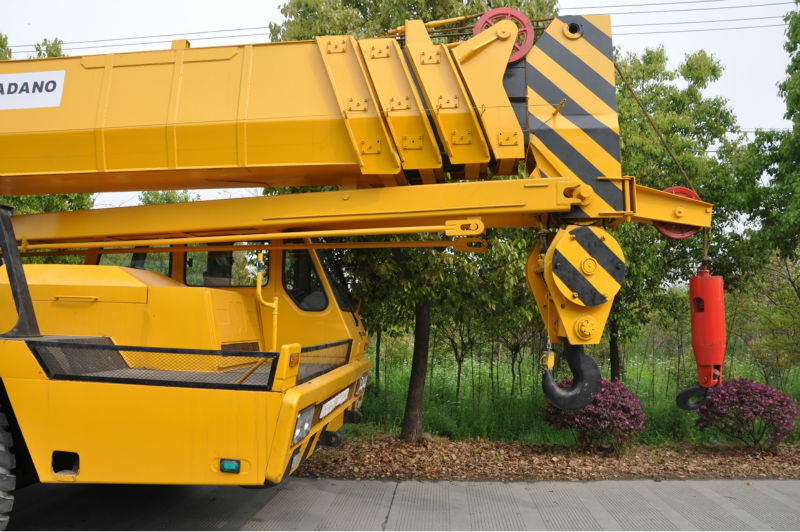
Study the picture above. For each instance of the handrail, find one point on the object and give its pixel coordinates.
(463, 227)
(273, 306)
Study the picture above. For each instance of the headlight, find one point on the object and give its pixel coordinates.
(362, 383)
(303, 425)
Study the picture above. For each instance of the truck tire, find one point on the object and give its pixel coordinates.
(8, 480)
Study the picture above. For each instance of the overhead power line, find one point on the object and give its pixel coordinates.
(681, 10)
(696, 21)
(68, 45)
(649, 4)
(161, 42)
(700, 29)
(151, 36)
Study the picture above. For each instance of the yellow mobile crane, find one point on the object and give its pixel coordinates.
(167, 356)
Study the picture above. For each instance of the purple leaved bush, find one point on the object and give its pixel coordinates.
(613, 418)
(753, 413)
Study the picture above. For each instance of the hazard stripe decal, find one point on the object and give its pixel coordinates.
(585, 170)
(595, 36)
(577, 69)
(607, 138)
(606, 258)
(576, 282)
(572, 109)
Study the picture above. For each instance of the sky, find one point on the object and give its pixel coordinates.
(753, 57)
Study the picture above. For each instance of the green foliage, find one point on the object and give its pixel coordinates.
(306, 19)
(769, 176)
(154, 197)
(48, 48)
(48, 203)
(692, 124)
(770, 319)
(5, 51)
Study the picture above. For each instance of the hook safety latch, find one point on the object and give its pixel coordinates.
(547, 360)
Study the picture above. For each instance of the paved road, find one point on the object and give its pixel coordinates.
(305, 504)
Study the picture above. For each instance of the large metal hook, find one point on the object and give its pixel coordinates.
(585, 381)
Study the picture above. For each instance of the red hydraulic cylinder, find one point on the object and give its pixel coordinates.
(708, 326)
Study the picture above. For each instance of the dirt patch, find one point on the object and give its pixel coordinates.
(441, 459)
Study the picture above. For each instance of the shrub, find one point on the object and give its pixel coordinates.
(612, 419)
(750, 412)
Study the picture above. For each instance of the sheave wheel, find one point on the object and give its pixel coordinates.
(8, 481)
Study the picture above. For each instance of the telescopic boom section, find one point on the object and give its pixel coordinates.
(332, 111)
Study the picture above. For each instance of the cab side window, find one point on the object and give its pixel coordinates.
(154, 262)
(302, 282)
(224, 268)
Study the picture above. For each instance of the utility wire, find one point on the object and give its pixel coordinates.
(149, 36)
(697, 21)
(184, 34)
(698, 9)
(699, 29)
(70, 48)
(650, 4)
(649, 32)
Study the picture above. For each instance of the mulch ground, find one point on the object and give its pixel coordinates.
(441, 459)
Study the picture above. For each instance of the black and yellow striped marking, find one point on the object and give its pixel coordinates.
(588, 265)
(572, 62)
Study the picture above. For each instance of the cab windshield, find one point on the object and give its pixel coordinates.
(337, 279)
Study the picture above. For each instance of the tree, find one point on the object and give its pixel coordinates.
(48, 48)
(770, 175)
(5, 51)
(403, 281)
(154, 197)
(306, 19)
(703, 133)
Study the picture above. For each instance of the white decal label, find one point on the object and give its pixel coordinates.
(332, 403)
(31, 90)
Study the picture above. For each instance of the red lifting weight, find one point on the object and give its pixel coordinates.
(708, 326)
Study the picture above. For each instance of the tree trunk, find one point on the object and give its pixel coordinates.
(513, 374)
(459, 362)
(430, 369)
(491, 370)
(378, 361)
(613, 349)
(472, 375)
(412, 420)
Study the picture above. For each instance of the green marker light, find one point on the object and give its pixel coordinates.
(229, 465)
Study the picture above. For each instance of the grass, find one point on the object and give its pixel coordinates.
(491, 412)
